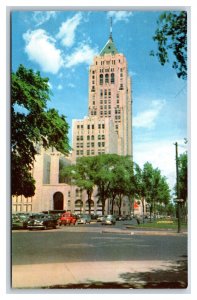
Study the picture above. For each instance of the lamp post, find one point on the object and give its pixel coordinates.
(178, 200)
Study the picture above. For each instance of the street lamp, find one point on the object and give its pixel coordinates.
(179, 201)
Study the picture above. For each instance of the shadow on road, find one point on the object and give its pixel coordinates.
(173, 278)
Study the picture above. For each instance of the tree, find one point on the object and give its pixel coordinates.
(183, 185)
(122, 181)
(82, 175)
(171, 38)
(104, 165)
(32, 124)
(151, 187)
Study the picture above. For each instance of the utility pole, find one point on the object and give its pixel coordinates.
(178, 200)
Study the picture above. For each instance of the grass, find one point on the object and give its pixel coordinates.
(167, 224)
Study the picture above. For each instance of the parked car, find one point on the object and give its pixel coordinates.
(41, 221)
(19, 220)
(109, 220)
(100, 218)
(67, 219)
(84, 219)
(120, 218)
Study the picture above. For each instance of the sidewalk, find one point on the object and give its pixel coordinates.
(76, 273)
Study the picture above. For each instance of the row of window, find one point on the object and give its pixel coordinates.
(88, 145)
(107, 78)
(100, 126)
(113, 62)
(88, 152)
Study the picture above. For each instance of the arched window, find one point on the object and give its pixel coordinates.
(101, 79)
(106, 78)
(112, 78)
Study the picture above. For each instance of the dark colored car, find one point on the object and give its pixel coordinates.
(41, 221)
(67, 219)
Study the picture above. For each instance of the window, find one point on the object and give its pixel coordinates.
(93, 126)
(92, 137)
(106, 78)
(88, 126)
(112, 78)
(103, 126)
(88, 137)
(101, 79)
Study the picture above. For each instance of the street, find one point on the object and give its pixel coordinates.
(109, 249)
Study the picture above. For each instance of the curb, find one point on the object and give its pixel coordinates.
(128, 232)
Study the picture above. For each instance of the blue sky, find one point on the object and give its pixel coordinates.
(61, 45)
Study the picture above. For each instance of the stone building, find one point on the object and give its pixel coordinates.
(106, 129)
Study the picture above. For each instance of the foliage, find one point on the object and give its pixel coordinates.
(104, 175)
(151, 186)
(182, 167)
(171, 37)
(32, 124)
(82, 175)
(122, 181)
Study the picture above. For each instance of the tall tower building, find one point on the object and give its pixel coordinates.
(109, 120)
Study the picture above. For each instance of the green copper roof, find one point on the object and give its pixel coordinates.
(109, 48)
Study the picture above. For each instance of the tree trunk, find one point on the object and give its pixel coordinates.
(89, 200)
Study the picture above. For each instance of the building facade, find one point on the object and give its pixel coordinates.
(106, 129)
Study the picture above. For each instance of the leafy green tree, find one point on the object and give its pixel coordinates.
(104, 165)
(171, 38)
(82, 175)
(32, 124)
(183, 177)
(151, 187)
(122, 181)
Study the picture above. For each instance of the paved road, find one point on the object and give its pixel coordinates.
(104, 252)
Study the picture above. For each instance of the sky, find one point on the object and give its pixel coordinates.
(62, 44)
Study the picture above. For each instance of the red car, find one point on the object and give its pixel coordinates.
(67, 218)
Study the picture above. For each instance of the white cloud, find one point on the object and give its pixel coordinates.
(67, 30)
(40, 48)
(59, 87)
(82, 54)
(40, 17)
(120, 15)
(161, 154)
(50, 85)
(147, 119)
